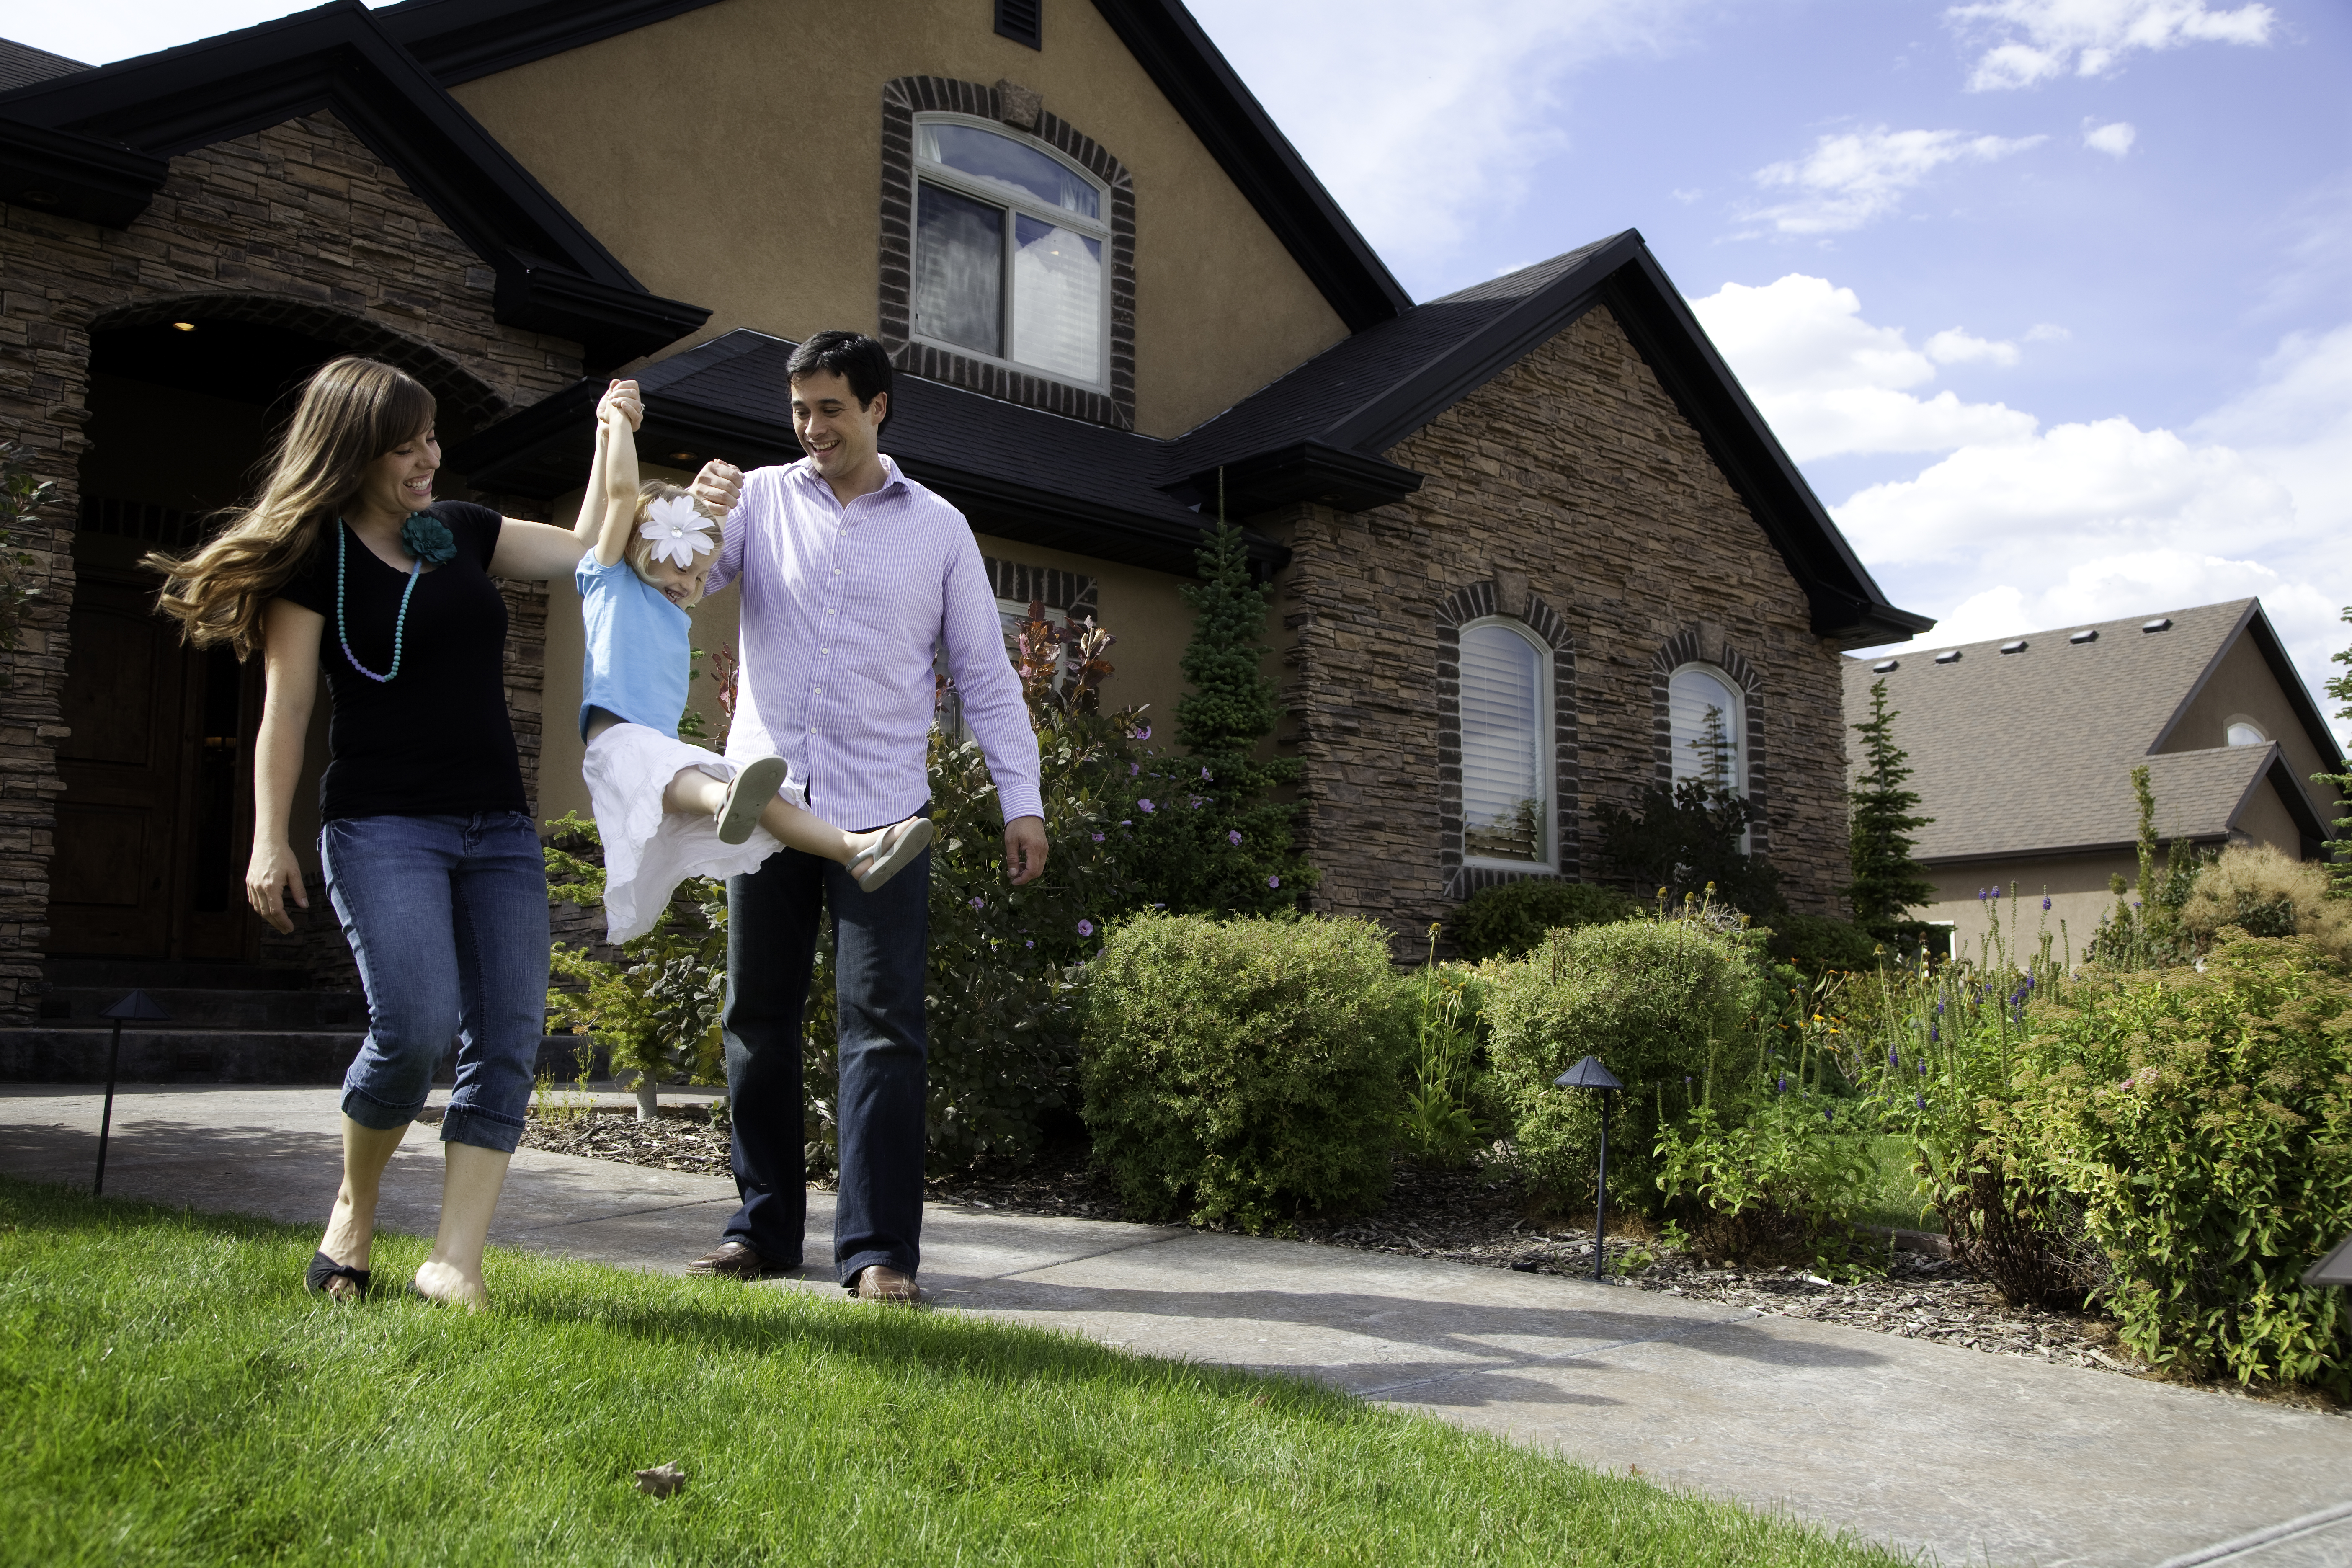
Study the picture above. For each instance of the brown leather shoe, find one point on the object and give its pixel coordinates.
(730, 1261)
(880, 1282)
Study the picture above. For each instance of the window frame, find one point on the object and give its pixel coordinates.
(1547, 746)
(1725, 679)
(2241, 720)
(1099, 229)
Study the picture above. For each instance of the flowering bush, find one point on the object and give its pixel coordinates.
(1244, 1071)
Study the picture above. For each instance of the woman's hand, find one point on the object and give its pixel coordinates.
(625, 398)
(269, 878)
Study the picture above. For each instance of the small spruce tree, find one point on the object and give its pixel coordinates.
(1207, 837)
(1886, 879)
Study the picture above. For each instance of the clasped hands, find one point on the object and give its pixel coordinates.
(716, 488)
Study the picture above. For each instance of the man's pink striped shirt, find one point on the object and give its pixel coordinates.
(841, 609)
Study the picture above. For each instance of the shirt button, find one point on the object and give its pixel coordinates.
(836, 570)
(833, 611)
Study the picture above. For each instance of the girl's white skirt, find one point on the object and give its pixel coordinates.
(650, 852)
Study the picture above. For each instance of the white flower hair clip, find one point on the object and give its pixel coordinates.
(677, 531)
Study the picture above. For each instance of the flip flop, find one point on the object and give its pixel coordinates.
(324, 1268)
(748, 794)
(890, 854)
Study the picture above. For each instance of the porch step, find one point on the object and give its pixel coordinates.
(151, 975)
(78, 1006)
(77, 1055)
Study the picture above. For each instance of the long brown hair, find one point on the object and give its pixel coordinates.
(353, 412)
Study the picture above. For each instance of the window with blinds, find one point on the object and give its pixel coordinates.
(1506, 746)
(1704, 713)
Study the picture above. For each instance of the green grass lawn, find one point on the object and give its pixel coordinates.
(1895, 1198)
(169, 1394)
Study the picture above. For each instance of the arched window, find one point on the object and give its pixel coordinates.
(1010, 257)
(1507, 746)
(2246, 733)
(1709, 728)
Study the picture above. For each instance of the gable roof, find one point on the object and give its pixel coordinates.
(21, 64)
(2032, 752)
(1360, 397)
(95, 144)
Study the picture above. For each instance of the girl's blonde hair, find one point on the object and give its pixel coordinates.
(638, 552)
(353, 412)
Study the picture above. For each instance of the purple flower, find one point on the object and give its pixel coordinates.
(1086, 928)
(1204, 773)
(1825, 1114)
(1980, 895)
(1195, 803)
(1892, 1059)
(1782, 1086)
(1133, 769)
(1922, 1100)
(977, 903)
(2045, 903)
(1097, 838)
(1274, 882)
(1028, 944)
(1995, 889)
(1141, 733)
(1235, 836)
(1146, 805)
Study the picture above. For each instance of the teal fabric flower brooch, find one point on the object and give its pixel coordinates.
(428, 539)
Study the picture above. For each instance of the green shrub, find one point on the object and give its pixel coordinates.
(1441, 1121)
(1661, 1003)
(2262, 892)
(1244, 1072)
(2204, 1123)
(1687, 838)
(1820, 944)
(1508, 920)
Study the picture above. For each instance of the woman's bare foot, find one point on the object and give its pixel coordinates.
(445, 1283)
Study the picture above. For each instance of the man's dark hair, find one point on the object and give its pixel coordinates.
(853, 356)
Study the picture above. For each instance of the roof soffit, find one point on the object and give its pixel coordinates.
(461, 40)
(553, 275)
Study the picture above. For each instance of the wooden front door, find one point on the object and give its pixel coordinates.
(154, 824)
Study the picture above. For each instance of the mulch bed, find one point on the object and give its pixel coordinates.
(1462, 1216)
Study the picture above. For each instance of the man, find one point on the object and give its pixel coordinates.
(852, 574)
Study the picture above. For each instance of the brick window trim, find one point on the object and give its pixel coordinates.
(1019, 111)
(1483, 601)
(1690, 646)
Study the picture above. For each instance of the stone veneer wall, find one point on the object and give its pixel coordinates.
(299, 226)
(1569, 485)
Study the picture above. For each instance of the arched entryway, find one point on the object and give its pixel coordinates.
(153, 828)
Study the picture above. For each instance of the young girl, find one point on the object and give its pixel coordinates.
(665, 809)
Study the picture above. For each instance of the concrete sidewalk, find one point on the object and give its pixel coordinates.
(1972, 1458)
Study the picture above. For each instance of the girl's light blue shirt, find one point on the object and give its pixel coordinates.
(638, 657)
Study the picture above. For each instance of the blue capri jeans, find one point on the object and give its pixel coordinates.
(448, 920)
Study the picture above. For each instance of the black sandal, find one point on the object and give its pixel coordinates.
(324, 1268)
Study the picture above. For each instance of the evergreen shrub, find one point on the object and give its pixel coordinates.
(1507, 921)
(1662, 1003)
(2202, 1122)
(1242, 1072)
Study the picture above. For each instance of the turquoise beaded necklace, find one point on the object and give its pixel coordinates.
(399, 626)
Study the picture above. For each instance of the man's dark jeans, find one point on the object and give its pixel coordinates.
(879, 943)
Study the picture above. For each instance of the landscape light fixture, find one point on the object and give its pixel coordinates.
(2336, 1268)
(184, 326)
(1590, 1074)
(138, 1008)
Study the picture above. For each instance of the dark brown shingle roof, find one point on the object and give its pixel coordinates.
(21, 64)
(2032, 751)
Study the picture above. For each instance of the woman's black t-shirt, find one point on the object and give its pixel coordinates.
(435, 740)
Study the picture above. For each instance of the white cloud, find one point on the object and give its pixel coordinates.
(2046, 332)
(1852, 177)
(1953, 346)
(2114, 140)
(2102, 520)
(1831, 382)
(1421, 131)
(2043, 40)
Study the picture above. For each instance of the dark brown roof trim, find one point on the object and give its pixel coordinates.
(2257, 624)
(459, 40)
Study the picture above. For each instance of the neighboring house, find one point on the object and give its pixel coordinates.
(1524, 538)
(2022, 751)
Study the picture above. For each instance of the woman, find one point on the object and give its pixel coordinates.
(347, 564)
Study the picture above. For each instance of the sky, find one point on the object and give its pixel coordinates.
(2048, 299)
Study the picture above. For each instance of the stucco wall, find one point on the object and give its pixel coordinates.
(732, 156)
(2075, 885)
(298, 225)
(1574, 475)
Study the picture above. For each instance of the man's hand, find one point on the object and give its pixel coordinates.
(719, 487)
(1025, 849)
(625, 396)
